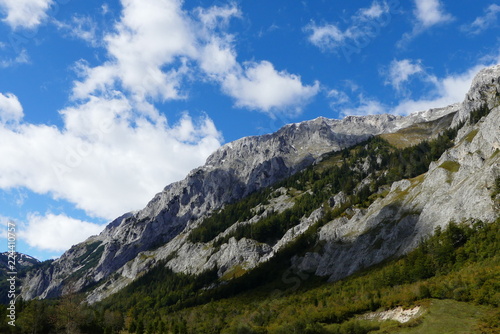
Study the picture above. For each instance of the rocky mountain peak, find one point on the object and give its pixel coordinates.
(22, 260)
(485, 90)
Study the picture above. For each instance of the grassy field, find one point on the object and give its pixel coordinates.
(440, 317)
(418, 132)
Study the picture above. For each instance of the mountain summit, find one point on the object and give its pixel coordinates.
(359, 186)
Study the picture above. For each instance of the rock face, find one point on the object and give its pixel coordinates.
(485, 89)
(456, 188)
(133, 243)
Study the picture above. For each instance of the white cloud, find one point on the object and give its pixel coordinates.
(218, 58)
(375, 11)
(10, 108)
(337, 97)
(56, 232)
(485, 22)
(108, 159)
(326, 36)
(365, 106)
(81, 27)
(253, 85)
(21, 58)
(217, 16)
(105, 9)
(400, 72)
(150, 37)
(260, 86)
(430, 12)
(445, 91)
(364, 26)
(25, 13)
(155, 46)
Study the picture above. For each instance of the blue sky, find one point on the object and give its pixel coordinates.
(103, 103)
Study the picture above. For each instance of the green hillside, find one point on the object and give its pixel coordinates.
(461, 263)
(454, 276)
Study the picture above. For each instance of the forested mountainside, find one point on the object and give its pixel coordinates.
(313, 204)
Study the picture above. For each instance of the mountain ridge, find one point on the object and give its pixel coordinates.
(135, 242)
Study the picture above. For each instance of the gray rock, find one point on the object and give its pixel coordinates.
(456, 188)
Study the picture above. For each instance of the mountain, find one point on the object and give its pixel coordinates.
(356, 187)
(23, 263)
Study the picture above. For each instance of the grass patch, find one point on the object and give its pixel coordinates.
(471, 135)
(401, 140)
(450, 166)
(330, 162)
(417, 133)
(234, 272)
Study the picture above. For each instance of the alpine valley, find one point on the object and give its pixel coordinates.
(320, 227)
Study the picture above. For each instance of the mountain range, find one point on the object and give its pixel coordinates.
(332, 197)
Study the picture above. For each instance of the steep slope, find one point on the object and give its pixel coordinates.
(134, 243)
(232, 172)
(457, 187)
(461, 263)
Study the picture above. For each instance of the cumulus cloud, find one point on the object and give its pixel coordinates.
(151, 57)
(108, 159)
(149, 37)
(253, 85)
(218, 58)
(24, 13)
(337, 97)
(56, 232)
(261, 86)
(217, 16)
(482, 23)
(10, 108)
(400, 72)
(375, 11)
